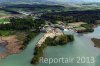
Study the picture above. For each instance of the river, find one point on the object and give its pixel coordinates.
(81, 47)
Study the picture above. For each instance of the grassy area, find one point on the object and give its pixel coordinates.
(6, 33)
(87, 26)
(3, 14)
(4, 20)
(77, 24)
(79, 28)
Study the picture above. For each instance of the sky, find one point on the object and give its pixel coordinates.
(76, 0)
(55, 0)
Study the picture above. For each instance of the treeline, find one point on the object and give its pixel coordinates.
(85, 31)
(23, 24)
(10, 11)
(33, 6)
(57, 40)
(38, 52)
(89, 16)
(88, 28)
(36, 7)
(29, 37)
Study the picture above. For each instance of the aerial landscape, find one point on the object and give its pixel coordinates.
(49, 33)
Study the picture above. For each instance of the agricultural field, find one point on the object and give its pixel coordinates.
(4, 20)
(6, 32)
(4, 17)
(3, 13)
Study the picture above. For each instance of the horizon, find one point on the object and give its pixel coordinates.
(59, 1)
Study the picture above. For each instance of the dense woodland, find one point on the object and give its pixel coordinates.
(89, 16)
(59, 40)
(9, 11)
(33, 7)
(23, 24)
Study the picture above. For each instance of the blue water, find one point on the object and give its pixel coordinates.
(82, 46)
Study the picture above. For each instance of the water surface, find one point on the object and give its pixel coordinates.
(82, 46)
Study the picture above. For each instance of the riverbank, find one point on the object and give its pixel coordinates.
(11, 44)
(50, 39)
(16, 43)
(96, 42)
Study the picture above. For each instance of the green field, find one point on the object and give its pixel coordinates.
(5, 32)
(3, 14)
(4, 20)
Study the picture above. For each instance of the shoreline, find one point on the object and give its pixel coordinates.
(96, 42)
(47, 40)
(52, 34)
(14, 44)
(11, 44)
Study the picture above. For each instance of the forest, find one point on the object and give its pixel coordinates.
(23, 24)
(89, 16)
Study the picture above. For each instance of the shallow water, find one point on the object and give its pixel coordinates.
(2, 49)
(82, 46)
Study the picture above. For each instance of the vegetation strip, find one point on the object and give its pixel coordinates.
(57, 40)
